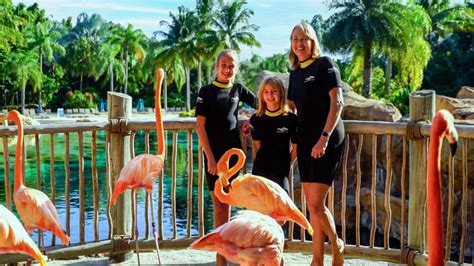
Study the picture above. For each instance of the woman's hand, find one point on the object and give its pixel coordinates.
(212, 166)
(319, 148)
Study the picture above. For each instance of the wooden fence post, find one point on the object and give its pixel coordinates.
(422, 108)
(119, 112)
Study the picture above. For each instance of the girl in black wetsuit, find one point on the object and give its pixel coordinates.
(273, 131)
(314, 92)
(217, 108)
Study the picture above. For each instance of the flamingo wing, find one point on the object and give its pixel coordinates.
(37, 211)
(249, 238)
(14, 238)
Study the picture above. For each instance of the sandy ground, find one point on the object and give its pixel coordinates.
(196, 257)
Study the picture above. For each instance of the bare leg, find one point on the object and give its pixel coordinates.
(155, 235)
(322, 220)
(221, 216)
(135, 210)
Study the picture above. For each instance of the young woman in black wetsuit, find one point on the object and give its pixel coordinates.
(315, 94)
(273, 131)
(217, 124)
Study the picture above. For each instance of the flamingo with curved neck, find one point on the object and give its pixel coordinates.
(255, 192)
(142, 170)
(442, 126)
(34, 207)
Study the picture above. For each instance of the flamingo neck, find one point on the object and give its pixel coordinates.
(159, 121)
(234, 169)
(434, 202)
(19, 156)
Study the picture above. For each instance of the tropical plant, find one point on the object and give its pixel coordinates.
(364, 25)
(25, 69)
(108, 63)
(10, 35)
(77, 99)
(131, 41)
(233, 26)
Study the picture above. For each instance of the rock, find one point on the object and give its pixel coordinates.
(466, 93)
(265, 73)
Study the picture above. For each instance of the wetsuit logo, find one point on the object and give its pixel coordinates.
(282, 130)
(199, 100)
(309, 79)
(234, 99)
(332, 70)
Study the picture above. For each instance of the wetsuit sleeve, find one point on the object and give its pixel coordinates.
(248, 97)
(202, 103)
(330, 73)
(292, 126)
(289, 95)
(254, 128)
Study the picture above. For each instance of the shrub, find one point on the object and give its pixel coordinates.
(77, 99)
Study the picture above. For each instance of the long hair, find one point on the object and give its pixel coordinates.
(275, 83)
(309, 32)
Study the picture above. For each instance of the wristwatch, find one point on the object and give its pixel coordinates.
(325, 134)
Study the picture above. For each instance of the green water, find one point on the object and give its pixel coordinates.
(59, 173)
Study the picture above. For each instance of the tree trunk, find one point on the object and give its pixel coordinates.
(367, 85)
(111, 71)
(199, 75)
(209, 70)
(126, 71)
(165, 92)
(80, 83)
(388, 74)
(23, 89)
(41, 71)
(188, 87)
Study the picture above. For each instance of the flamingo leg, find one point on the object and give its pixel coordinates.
(155, 235)
(42, 241)
(135, 210)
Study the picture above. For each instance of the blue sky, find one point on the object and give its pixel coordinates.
(276, 18)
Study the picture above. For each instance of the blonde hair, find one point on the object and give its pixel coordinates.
(309, 32)
(275, 83)
(232, 54)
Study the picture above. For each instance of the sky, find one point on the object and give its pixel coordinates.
(275, 18)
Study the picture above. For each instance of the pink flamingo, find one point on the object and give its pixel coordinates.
(142, 170)
(443, 126)
(14, 238)
(34, 207)
(249, 238)
(255, 192)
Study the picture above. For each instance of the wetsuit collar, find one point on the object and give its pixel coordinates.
(307, 62)
(222, 85)
(273, 113)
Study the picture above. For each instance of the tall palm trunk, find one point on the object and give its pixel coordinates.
(367, 85)
(23, 89)
(165, 92)
(111, 72)
(41, 71)
(209, 70)
(188, 87)
(80, 83)
(388, 74)
(199, 75)
(126, 71)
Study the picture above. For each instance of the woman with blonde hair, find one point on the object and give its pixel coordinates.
(217, 108)
(273, 131)
(314, 92)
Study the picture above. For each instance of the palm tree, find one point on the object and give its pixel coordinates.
(82, 58)
(131, 42)
(45, 41)
(9, 22)
(233, 26)
(108, 63)
(206, 49)
(366, 25)
(25, 69)
(180, 45)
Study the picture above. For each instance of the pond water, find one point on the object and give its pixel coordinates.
(59, 173)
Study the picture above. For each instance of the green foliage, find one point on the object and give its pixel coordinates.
(190, 113)
(249, 69)
(175, 100)
(77, 99)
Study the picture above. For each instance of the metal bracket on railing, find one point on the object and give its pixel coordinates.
(414, 129)
(121, 243)
(408, 255)
(120, 126)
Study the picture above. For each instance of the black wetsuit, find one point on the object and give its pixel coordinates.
(220, 106)
(309, 89)
(273, 158)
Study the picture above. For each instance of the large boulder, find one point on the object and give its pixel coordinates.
(466, 93)
(462, 109)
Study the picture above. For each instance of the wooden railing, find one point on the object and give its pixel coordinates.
(357, 133)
